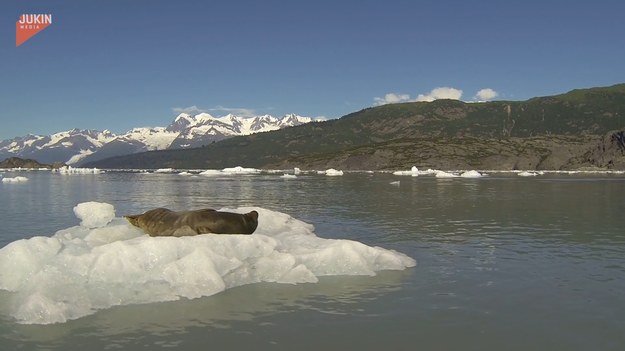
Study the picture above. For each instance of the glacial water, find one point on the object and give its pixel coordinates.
(503, 263)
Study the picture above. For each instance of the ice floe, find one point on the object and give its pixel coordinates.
(106, 262)
(333, 172)
(78, 170)
(471, 174)
(527, 174)
(414, 171)
(18, 179)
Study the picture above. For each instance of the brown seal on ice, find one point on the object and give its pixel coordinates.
(165, 222)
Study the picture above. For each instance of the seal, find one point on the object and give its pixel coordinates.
(165, 222)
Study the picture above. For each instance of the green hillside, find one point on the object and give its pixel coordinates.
(580, 112)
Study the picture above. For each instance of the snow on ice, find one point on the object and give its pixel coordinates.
(106, 262)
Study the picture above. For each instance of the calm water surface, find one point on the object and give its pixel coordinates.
(504, 263)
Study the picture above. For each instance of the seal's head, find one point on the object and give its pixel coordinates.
(133, 219)
(252, 220)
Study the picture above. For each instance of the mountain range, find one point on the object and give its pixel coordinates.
(79, 146)
(584, 128)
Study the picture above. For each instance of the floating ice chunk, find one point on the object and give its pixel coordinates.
(94, 214)
(396, 183)
(297, 171)
(240, 170)
(414, 171)
(333, 172)
(527, 174)
(18, 179)
(78, 170)
(211, 172)
(164, 170)
(471, 174)
(288, 176)
(80, 270)
(185, 173)
(443, 174)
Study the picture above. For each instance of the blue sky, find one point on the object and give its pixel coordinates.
(122, 64)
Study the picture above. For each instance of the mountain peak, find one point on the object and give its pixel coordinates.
(185, 131)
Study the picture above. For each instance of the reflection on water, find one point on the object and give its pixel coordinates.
(120, 325)
(504, 262)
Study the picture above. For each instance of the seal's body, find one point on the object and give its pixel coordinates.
(165, 222)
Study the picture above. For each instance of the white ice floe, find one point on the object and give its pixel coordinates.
(18, 179)
(240, 170)
(414, 171)
(333, 172)
(297, 171)
(471, 174)
(78, 170)
(165, 170)
(527, 174)
(443, 174)
(396, 183)
(288, 176)
(211, 172)
(230, 171)
(185, 173)
(80, 270)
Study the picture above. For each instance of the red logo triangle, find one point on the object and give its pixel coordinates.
(29, 25)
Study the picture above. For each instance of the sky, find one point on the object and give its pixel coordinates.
(122, 64)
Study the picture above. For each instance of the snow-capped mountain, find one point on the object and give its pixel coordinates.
(79, 146)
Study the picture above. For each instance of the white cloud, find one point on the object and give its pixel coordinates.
(441, 93)
(435, 94)
(486, 94)
(239, 111)
(191, 110)
(391, 98)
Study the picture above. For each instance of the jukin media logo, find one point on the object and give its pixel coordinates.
(29, 25)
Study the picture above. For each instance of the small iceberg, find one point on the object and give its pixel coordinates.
(443, 174)
(164, 170)
(240, 170)
(471, 174)
(288, 176)
(18, 179)
(414, 171)
(78, 170)
(527, 174)
(211, 172)
(333, 172)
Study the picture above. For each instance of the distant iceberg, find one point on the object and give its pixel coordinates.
(527, 174)
(18, 179)
(443, 174)
(78, 170)
(106, 262)
(414, 171)
(165, 170)
(333, 172)
(240, 170)
(230, 171)
(471, 174)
